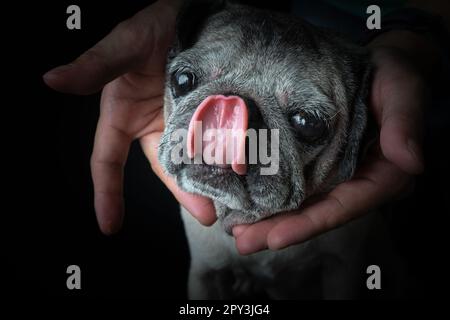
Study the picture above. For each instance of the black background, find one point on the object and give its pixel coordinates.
(50, 220)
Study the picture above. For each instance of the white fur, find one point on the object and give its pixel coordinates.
(219, 272)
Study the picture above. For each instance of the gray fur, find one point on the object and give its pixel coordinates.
(283, 64)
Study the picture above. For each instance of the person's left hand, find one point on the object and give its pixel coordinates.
(397, 99)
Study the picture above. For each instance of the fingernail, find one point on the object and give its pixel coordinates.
(416, 152)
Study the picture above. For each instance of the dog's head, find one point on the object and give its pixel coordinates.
(299, 90)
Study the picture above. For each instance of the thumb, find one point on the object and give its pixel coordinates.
(401, 128)
(398, 98)
(144, 37)
(109, 58)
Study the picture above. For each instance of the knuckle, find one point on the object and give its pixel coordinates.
(93, 162)
(127, 28)
(94, 54)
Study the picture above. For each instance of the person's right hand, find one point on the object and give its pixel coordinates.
(129, 65)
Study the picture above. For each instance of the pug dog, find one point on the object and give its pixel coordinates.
(238, 68)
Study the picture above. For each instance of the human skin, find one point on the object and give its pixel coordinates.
(132, 83)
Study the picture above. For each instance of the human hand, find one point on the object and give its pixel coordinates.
(397, 99)
(129, 65)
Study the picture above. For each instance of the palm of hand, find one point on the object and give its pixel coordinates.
(132, 105)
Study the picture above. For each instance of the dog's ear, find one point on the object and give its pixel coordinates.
(191, 20)
(359, 128)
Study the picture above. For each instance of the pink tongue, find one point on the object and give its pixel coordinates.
(217, 131)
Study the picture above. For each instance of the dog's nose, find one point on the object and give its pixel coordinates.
(217, 131)
(255, 118)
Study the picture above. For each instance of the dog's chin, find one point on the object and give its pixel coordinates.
(217, 183)
(235, 199)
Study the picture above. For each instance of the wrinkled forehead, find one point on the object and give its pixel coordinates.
(255, 37)
(230, 43)
(265, 52)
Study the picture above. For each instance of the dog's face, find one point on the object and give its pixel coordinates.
(244, 68)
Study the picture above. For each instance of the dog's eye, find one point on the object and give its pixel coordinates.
(182, 82)
(308, 127)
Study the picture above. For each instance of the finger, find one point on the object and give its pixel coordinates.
(117, 53)
(144, 37)
(377, 183)
(110, 152)
(257, 235)
(253, 238)
(200, 207)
